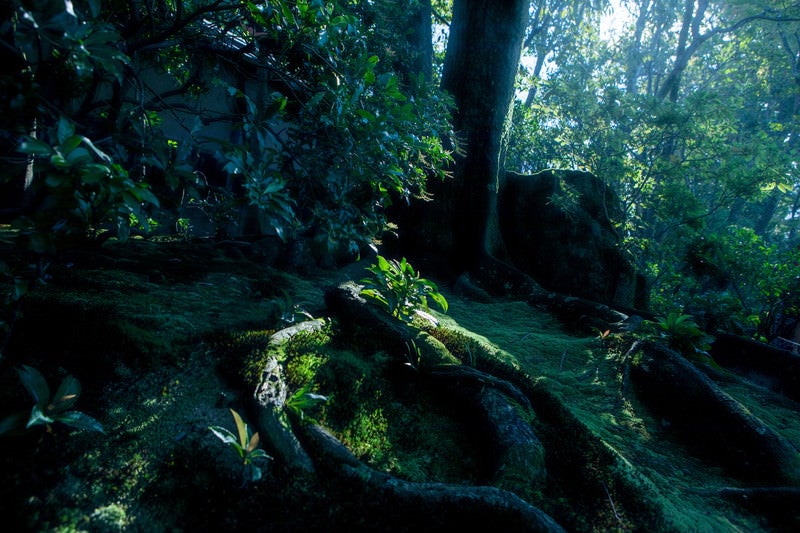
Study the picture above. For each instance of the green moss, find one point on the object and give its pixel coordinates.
(302, 369)
(151, 338)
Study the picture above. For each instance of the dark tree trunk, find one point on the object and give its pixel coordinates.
(481, 64)
(421, 39)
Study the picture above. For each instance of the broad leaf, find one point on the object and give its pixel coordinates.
(225, 435)
(242, 428)
(67, 394)
(81, 421)
(36, 385)
(38, 418)
(33, 146)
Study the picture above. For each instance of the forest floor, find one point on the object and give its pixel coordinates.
(165, 337)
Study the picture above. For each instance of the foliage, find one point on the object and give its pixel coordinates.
(692, 130)
(345, 138)
(734, 281)
(302, 400)
(48, 410)
(245, 445)
(80, 187)
(400, 290)
(683, 335)
(76, 184)
(331, 125)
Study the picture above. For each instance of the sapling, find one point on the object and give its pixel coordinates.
(245, 445)
(48, 410)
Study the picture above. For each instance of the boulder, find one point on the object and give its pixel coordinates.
(558, 227)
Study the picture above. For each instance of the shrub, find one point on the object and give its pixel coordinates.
(400, 290)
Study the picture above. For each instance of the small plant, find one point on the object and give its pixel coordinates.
(184, 228)
(46, 411)
(303, 399)
(399, 289)
(684, 335)
(245, 445)
(413, 356)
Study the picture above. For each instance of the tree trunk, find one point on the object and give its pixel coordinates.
(481, 64)
(421, 39)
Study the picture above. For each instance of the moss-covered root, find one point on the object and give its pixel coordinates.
(269, 399)
(517, 452)
(713, 423)
(781, 505)
(436, 505)
(372, 328)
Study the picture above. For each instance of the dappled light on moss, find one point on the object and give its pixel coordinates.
(163, 361)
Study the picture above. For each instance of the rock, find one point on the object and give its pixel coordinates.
(558, 227)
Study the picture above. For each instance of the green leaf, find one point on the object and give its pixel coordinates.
(66, 129)
(70, 143)
(67, 394)
(33, 146)
(242, 428)
(35, 384)
(93, 173)
(38, 417)
(224, 434)
(144, 195)
(79, 420)
(383, 264)
(440, 300)
(13, 423)
(99, 153)
(259, 454)
(253, 444)
(252, 473)
(78, 155)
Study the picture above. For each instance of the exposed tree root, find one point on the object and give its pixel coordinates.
(517, 454)
(442, 502)
(712, 422)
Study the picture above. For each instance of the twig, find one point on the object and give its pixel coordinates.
(611, 501)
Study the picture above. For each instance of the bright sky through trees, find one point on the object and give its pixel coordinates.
(613, 22)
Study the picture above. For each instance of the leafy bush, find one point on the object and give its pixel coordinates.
(683, 335)
(80, 187)
(400, 290)
(348, 135)
(733, 281)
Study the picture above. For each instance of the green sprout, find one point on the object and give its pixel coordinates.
(245, 445)
(304, 399)
(48, 410)
(400, 290)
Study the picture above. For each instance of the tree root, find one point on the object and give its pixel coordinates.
(442, 502)
(713, 422)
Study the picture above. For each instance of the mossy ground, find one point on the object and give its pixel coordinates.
(167, 337)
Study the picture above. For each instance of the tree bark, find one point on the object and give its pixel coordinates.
(444, 505)
(481, 64)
